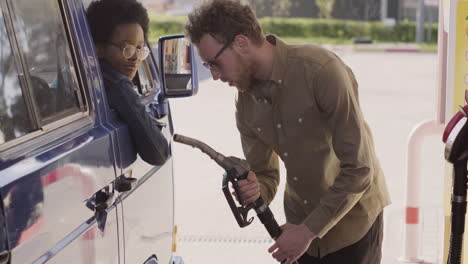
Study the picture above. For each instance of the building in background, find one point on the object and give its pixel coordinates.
(408, 10)
(371, 10)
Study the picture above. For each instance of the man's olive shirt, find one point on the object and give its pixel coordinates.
(308, 114)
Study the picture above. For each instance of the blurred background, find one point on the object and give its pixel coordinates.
(323, 21)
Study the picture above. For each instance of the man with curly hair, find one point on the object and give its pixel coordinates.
(299, 103)
(119, 29)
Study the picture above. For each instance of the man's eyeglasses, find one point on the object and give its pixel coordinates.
(211, 64)
(129, 50)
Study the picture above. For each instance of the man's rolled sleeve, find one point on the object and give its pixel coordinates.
(335, 90)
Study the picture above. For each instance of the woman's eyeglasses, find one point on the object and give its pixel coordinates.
(129, 50)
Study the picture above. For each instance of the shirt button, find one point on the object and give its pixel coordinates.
(306, 202)
(299, 120)
(259, 129)
(278, 125)
(285, 154)
(265, 101)
(280, 81)
(295, 179)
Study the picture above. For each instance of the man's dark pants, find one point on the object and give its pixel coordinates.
(368, 250)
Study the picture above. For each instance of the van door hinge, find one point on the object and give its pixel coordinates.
(124, 183)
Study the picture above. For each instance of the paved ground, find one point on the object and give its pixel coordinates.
(397, 92)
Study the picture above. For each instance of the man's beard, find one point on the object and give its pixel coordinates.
(246, 75)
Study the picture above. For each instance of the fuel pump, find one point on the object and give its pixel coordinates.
(455, 138)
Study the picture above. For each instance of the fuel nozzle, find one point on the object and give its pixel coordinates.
(236, 169)
(240, 167)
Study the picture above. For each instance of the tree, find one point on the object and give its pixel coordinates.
(304, 8)
(366, 10)
(326, 7)
(277, 8)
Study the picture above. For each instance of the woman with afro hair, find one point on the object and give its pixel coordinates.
(119, 29)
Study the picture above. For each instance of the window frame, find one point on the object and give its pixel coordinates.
(44, 133)
(7, 20)
(145, 69)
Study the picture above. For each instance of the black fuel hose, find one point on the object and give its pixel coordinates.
(458, 212)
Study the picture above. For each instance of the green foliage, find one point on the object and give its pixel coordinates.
(162, 25)
(404, 31)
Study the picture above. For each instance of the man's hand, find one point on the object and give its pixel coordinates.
(249, 189)
(292, 243)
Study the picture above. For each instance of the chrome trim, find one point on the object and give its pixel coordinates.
(73, 123)
(66, 241)
(62, 244)
(91, 221)
(177, 260)
(17, 141)
(63, 121)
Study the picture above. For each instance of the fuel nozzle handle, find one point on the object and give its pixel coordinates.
(236, 169)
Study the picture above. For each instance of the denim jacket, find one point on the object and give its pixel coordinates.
(145, 130)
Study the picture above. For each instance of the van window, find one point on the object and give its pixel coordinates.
(14, 119)
(144, 80)
(47, 59)
(39, 88)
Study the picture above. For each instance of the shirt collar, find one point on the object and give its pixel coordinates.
(280, 52)
(109, 72)
(278, 68)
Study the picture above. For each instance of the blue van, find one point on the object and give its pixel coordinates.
(72, 187)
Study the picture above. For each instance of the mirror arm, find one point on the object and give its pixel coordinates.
(159, 106)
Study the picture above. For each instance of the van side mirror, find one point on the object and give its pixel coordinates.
(178, 67)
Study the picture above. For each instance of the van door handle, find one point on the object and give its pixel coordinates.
(99, 203)
(103, 200)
